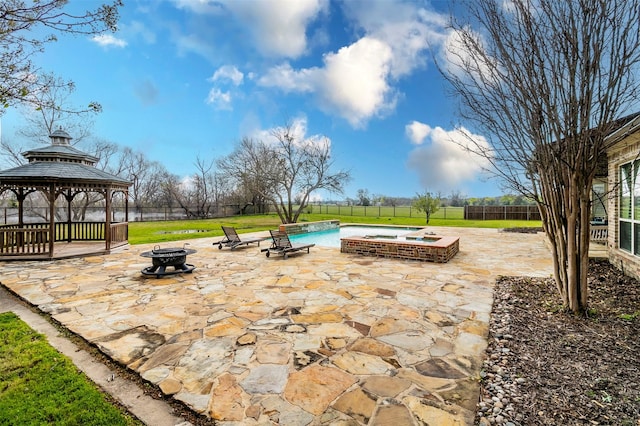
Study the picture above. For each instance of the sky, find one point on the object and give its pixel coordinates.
(188, 79)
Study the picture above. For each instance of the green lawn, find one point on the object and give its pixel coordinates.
(386, 211)
(166, 231)
(40, 386)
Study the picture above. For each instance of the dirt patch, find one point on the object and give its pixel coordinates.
(545, 366)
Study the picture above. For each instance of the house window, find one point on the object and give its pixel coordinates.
(598, 199)
(629, 217)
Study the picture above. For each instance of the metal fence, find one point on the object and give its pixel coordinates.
(384, 211)
(9, 215)
(501, 213)
(148, 214)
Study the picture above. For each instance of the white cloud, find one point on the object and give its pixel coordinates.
(278, 26)
(228, 72)
(357, 82)
(352, 83)
(285, 78)
(407, 30)
(417, 131)
(219, 99)
(107, 40)
(443, 163)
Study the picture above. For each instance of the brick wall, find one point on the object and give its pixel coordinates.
(623, 152)
(441, 251)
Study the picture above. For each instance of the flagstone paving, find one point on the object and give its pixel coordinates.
(315, 339)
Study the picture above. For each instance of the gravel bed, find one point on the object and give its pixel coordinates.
(546, 366)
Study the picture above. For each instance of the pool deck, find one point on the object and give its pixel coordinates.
(318, 338)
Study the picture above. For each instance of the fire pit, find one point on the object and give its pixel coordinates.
(162, 258)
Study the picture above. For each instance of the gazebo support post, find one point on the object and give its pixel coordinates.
(69, 198)
(52, 218)
(20, 196)
(20, 236)
(107, 222)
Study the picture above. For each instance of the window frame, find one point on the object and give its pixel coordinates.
(629, 207)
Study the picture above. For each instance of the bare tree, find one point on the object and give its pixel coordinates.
(246, 168)
(22, 23)
(50, 107)
(11, 152)
(546, 81)
(195, 195)
(135, 167)
(284, 169)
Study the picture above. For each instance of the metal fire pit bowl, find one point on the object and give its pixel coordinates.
(164, 257)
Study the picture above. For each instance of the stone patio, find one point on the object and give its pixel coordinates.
(319, 338)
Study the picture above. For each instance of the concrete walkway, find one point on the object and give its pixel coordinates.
(319, 338)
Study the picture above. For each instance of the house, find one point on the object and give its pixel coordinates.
(623, 196)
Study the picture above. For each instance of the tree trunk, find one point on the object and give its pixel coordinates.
(565, 218)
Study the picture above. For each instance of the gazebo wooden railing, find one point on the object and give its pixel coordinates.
(33, 238)
(119, 234)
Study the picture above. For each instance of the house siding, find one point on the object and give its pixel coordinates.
(625, 151)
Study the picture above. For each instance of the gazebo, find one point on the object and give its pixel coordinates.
(61, 170)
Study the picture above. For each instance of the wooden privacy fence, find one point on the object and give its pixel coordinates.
(501, 213)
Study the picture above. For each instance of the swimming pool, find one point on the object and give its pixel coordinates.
(331, 237)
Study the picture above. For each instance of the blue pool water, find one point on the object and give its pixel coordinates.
(331, 237)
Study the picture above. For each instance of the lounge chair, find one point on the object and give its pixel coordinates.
(232, 239)
(282, 245)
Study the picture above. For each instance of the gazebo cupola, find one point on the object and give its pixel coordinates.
(60, 137)
(60, 150)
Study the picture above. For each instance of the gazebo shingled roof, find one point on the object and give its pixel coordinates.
(44, 172)
(60, 162)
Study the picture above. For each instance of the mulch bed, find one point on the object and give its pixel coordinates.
(524, 230)
(546, 366)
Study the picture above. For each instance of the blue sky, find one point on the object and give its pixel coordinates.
(183, 79)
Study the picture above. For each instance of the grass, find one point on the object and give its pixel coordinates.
(38, 385)
(166, 231)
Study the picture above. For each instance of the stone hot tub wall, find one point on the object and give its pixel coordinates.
(437, 249)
